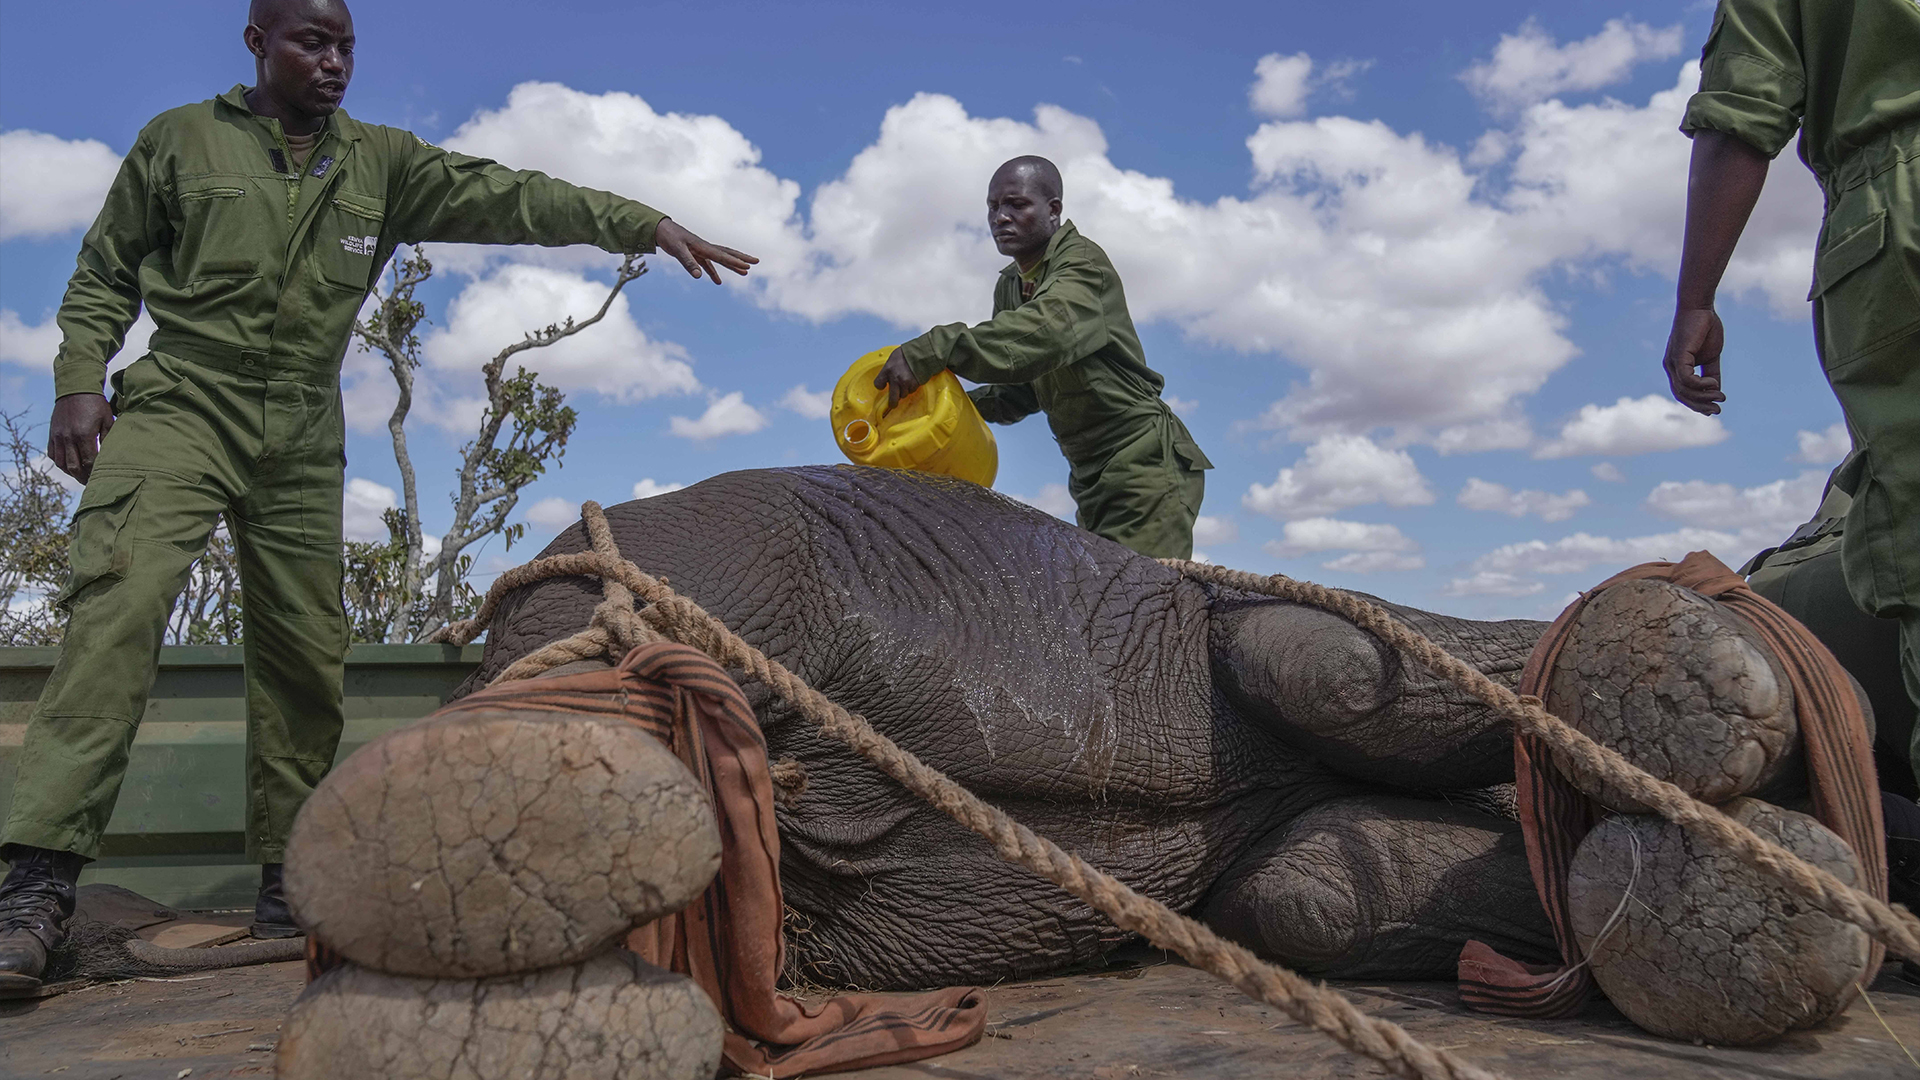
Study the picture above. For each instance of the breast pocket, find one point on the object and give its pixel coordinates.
(347, 239)
(217, 228)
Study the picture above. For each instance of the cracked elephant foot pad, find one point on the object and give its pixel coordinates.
(1682, 688)
(491, 842)
(1693, 943)
(612, 1016)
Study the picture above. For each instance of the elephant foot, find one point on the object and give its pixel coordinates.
(612, 1016)
(1695, 944)
(1682, 688)
(491, 842)
(1375, 886)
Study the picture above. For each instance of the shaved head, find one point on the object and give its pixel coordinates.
(1037, 170)
(303, 60)
(268, 14)
(1023, 208)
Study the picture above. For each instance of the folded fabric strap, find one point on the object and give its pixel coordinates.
(1555, 815)
(730, 940)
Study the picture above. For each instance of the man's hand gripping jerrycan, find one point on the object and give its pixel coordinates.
(934, 429)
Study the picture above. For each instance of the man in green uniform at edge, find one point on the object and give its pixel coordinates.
(1061, 341)
(252, 226)
(1846, 73)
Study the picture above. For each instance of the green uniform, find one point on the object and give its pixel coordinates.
(1846, 73)
(1805, 576)
(1069, 348)
(254, 268)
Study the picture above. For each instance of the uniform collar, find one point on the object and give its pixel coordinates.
(1060, 236)
(338, 124)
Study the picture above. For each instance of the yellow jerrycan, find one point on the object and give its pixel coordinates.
(934, 429)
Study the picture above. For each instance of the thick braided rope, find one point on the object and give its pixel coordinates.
(682, 620)
(1893, 926)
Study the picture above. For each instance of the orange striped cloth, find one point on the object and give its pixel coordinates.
(730, 940)
(1555, 816)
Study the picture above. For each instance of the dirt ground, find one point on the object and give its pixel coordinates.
(1142, 1017)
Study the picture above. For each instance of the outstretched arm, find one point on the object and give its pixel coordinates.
(448, 196)
(1722, 186)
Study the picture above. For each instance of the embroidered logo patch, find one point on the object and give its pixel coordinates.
(320, 167)
(359, 245)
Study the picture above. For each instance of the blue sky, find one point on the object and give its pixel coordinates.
(1407, 267)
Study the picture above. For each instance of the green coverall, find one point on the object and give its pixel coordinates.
(254, 269)
(1846, 73)
(1070, 349)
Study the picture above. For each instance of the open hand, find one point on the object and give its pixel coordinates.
(897, 378)
(1695, 342)
(80, 421)
(696, 254)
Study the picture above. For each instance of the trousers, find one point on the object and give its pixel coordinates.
(1866, 298)
(193, 441)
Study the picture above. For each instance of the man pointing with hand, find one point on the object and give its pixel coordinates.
(252, 227)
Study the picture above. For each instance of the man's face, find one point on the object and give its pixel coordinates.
(1020, 215)
(306, 56)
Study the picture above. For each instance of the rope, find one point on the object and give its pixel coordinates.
(676, 617)
(1893, 926)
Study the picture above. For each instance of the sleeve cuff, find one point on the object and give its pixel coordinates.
(75, 377)
(1760, 124)
(921, 357)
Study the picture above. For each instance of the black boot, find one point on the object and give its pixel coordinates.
(271, 916)
(36, 900)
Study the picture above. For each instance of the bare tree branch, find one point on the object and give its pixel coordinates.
(490, 476)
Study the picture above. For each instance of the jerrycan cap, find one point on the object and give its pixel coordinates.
(858, 434)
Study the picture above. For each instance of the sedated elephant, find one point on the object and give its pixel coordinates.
(1269, 768)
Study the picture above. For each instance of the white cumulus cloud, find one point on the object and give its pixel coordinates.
(553, 514)
(1492, 583)
(1280, 85)
(1573, 554)
(1607, 181)
(1768, 509)
(33, 345)
(648, 487)
(50, 185)
(698, 169)
(614, 358)
(1404, 282)
(812, 404)
(1641, 425)
(362, 503)
(1607, 472)
(1531, 66)
(1823, 447)
(1210, 529)
(1337, 472)
(728, 414)
(1368, 547)
(1485, 495)
(1052, 499)
(1512, 433)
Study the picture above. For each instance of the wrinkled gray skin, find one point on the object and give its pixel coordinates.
(1269, 768)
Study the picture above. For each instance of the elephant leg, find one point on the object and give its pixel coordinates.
(1332, 690)
(1375, 886)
